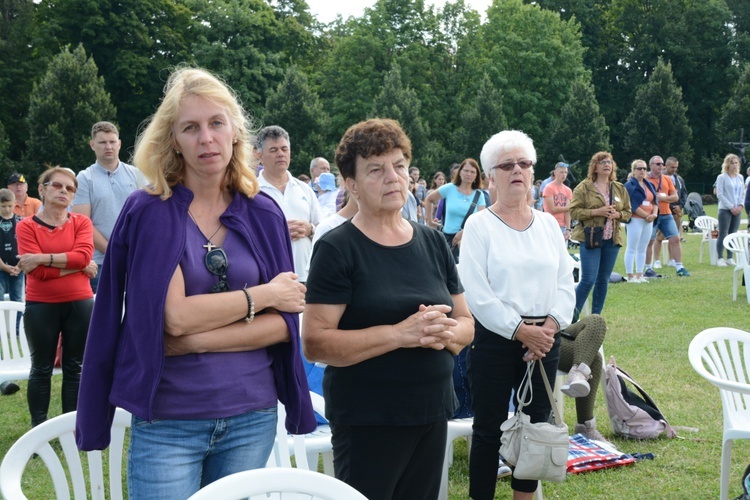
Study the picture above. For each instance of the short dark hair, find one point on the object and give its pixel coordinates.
(270, 132)
(370, 138)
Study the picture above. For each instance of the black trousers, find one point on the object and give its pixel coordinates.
(495, 368)
(44, 322)
(390, 462)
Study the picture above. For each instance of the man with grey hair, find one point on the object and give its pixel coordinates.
(296, 198)
(318, 166)
(104, 186)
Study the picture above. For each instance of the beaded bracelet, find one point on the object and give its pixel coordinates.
(51, 260)
(250, 306)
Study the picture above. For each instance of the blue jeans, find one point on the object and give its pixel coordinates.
(596, 268)
(13, 286)
(172, 459)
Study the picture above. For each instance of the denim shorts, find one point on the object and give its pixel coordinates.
(172, 459)
(666, 224)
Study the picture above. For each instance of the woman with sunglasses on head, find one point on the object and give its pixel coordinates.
(599, 201)
(519, 285)
(56, 248)
(645, 210)
(209, 337)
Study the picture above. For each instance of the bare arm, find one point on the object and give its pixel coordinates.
(185, 315)
(549, 206)
(100, 242)
(463, 332)
(265, 330)
(323, 341)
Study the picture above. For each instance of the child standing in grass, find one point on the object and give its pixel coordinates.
(11, 278)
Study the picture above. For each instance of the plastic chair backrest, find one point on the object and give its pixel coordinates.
(15, 358)
(277, 483)
(739, 245)
(706, 223)
(39, 440)
(722, 356)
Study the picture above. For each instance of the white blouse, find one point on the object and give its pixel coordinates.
(508, 273)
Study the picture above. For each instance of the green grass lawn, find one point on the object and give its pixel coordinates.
(650, 328)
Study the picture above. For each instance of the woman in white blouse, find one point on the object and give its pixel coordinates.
(518, 278)
(730, 189)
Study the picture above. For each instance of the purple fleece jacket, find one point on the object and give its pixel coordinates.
(124, 355)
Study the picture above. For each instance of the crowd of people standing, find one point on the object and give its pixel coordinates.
(235, 248)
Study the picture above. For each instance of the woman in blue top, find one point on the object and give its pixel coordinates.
(730, 189)
(206, 340)
(463, 196)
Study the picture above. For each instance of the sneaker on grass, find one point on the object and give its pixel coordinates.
(650, 273)
(721, 263)
(657, 264)
(672, 263)
(682, 272)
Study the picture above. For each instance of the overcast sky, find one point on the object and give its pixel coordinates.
(326, 10)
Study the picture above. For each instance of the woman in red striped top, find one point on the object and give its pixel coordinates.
(55, 249)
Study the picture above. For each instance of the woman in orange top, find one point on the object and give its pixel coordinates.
(55, 249)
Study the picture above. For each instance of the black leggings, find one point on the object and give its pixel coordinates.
(44, 322)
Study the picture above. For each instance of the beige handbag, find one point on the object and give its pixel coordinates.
(540, 450)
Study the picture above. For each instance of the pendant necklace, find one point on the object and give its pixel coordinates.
(209, 244)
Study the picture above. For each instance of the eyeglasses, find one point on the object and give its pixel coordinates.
(510, 165)
(639, 168)
(216, 263)
(605, 162)
(658, 163)
(60, 185)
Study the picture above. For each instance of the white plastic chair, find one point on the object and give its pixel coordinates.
(722, 356)
(281, 483)
(706, 224)
(305, 448)
(40, 440)
(739, 245)
(457, 427)
(15, 359)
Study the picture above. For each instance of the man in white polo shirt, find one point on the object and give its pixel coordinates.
(296, 198)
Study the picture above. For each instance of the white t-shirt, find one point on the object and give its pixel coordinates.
(298, 202)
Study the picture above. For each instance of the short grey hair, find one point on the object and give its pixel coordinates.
(270, 132)
(502, 142)
(314, 162)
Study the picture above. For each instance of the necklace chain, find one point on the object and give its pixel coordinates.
(209, 244)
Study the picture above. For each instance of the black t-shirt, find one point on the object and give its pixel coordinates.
(8, 242)
(383, 285)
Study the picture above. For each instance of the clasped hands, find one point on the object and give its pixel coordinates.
(430, 327)
(538, 340)
(608, 211)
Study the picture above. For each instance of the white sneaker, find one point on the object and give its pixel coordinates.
(576, 384)
(730, 262)
(657, 264)
(672, 263)
(503, 470)
(721, 263)
(642, 280)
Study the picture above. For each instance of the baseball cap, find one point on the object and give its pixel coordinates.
(15, 177)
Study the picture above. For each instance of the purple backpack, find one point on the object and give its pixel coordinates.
(633, 415)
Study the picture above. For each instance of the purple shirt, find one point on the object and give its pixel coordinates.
(230, 383)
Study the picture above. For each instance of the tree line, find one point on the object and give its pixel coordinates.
(666, 77)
